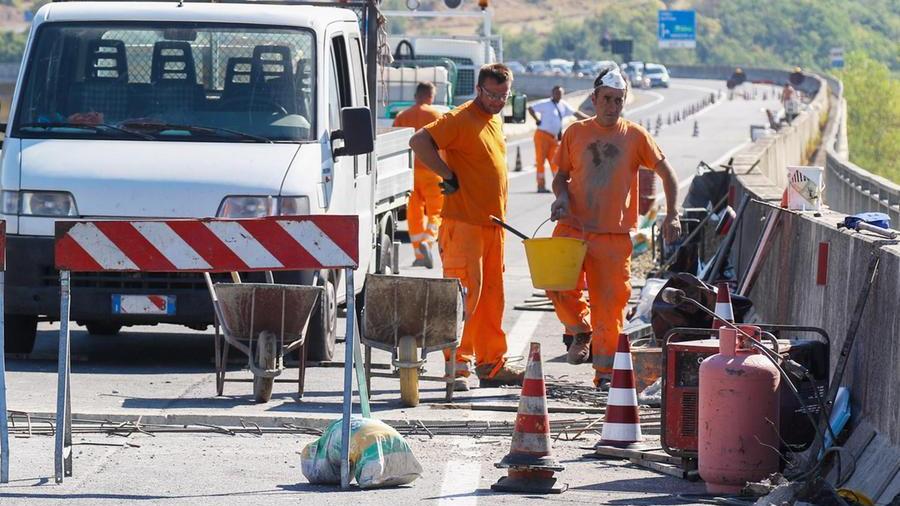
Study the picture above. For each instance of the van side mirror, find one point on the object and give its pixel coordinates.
(356, 132)
(516, 108)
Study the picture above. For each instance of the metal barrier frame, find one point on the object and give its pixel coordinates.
(71, 256)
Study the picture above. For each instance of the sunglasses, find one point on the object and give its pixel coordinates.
(495, 96)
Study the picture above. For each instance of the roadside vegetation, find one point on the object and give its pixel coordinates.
(873, 122)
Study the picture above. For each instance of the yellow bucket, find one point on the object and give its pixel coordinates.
(555, 262)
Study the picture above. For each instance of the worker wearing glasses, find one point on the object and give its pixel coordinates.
(471, 246)
(596, 190)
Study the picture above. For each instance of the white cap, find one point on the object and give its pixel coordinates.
(612, 79)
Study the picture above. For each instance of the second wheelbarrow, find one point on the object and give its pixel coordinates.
(403, 315)
(265, 322)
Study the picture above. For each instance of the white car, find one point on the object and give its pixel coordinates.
(656, 75)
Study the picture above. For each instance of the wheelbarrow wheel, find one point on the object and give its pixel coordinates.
(409, 376)
(265, 359)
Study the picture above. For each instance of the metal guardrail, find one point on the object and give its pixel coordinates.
(850, 188)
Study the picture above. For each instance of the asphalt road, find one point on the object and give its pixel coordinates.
(164, 375)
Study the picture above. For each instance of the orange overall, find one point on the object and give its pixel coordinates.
(602, 164)
(426, 200)
(545, 145)
(471, 245)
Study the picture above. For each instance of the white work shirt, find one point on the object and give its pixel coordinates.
(551, 115)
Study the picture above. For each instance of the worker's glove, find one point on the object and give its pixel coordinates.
(449, 186)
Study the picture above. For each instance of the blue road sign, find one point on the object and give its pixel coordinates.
(677, 29)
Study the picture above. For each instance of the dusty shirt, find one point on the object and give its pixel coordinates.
(475, 151)
(603, 165)
(417, 117)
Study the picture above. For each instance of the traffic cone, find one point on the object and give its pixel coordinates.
(696, 129)
(518, 159)
(621, 425)
(529, 464)
(723, 306)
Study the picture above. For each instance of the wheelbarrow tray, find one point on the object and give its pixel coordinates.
(249, 308)
(429, 309)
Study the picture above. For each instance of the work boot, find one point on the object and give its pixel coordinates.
(567, 340)
(580, 351)
(461, 381)
(427, 258)
(602, 381)
(542, 189)
(492, 375)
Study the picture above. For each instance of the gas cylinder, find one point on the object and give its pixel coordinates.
(737, 440)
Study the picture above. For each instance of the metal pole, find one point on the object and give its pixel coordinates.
(486, 14)
(63, 463)
(4, 421)
(360, 372)
(348, 382)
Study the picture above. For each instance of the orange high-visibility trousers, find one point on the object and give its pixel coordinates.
(545, 145)
(474, 254)
(607, 267)
(423, 213)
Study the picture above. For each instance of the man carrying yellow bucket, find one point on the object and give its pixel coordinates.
(597, 200)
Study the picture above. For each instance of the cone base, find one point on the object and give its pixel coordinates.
(624, 445)
(529, 486)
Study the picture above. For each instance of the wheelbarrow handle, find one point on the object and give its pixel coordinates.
(503, 224)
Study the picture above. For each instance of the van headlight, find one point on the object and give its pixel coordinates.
(38, 203)
(258, 206)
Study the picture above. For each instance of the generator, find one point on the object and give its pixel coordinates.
(685, 348)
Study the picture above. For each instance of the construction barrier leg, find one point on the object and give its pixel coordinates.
(348, 384)
(63, 447)
(4, 421)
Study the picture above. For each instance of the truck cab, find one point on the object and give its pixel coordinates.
(169, 110)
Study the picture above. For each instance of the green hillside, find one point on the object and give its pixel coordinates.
(730, 32)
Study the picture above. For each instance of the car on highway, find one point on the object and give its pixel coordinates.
(537, 67)
(634, 72)
(657, 75)
(516, 67)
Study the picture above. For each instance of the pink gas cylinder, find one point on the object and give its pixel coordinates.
(738, 414)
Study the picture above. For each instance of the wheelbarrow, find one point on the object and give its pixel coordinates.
(264, 321)
(404, 315)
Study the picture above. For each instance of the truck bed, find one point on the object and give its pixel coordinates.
(394, 168)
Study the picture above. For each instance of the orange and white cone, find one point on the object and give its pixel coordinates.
(723, 306)
(529, 463)
(621, 424)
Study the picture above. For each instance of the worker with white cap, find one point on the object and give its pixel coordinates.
(596, 191)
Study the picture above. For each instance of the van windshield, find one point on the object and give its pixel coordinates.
(168, 81)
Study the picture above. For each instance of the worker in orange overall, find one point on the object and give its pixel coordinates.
(597, 199)
(549, 115)
(426, 200)
(471, 246)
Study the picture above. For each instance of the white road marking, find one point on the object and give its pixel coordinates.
(461, 479)
(659, 98)
(522, 332)
(660, 197)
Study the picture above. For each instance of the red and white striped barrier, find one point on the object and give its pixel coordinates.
(197, 245)
(4, 421)
(210, 245)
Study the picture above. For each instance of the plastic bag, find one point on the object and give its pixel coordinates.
(379, 456)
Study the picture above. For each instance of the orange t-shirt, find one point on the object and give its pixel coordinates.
(417, 117)
(603, 167)
(475, 151)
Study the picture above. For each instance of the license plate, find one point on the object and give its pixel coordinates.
(143, 304)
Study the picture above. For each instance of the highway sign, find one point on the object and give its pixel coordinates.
(677, 29)
(837, 57)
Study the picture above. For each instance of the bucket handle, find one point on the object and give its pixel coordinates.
(583, 238)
